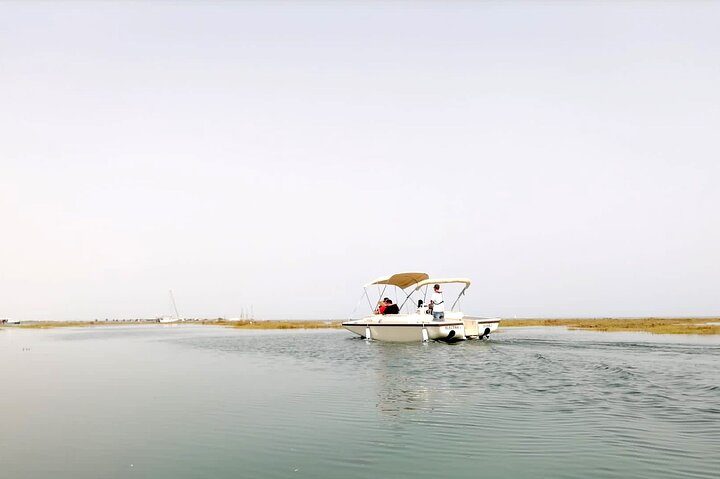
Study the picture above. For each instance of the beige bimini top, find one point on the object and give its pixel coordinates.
(401, 280)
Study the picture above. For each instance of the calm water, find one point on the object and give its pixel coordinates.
(194, 401)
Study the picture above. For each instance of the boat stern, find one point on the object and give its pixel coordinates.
(480, 327)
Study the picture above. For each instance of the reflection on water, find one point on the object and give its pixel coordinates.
(190, 401)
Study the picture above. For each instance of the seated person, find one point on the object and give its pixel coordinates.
(390, 307)
(382, 304)
(380, 307)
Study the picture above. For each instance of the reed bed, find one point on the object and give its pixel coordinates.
(246, 324)
(242, 324)
(646, 325)
(70, 324)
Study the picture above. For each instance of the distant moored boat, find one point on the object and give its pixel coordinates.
(171, 319)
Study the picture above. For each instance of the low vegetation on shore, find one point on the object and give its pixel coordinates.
(647, 325)
(242, 324)
(66, 324)
(270, 324)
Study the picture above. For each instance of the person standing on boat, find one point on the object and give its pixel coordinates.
(437, 304)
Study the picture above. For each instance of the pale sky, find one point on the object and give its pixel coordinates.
(565, 156)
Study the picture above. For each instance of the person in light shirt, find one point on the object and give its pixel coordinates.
(437, 304)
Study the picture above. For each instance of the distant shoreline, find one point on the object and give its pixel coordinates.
(710, 325)
(682, 325)
(240, 324)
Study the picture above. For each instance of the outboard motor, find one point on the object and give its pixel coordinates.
(452, 337)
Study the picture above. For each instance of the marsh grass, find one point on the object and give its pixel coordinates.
(69, 324)
(243, 324)
(284, 324)
(647, 325)
(270, 324)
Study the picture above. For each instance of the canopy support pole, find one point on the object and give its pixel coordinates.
(357, 305)
(368, 298)
(406, 298)
(458, 298)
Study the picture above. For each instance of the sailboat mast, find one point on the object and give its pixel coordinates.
(172, 298)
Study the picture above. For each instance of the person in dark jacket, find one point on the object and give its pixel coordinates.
(391, 308)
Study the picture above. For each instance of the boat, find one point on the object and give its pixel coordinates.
(414, 322)
(170, 319)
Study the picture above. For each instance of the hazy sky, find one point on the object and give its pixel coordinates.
(565, 156)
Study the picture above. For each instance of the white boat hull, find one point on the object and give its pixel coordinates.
(418, 327)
